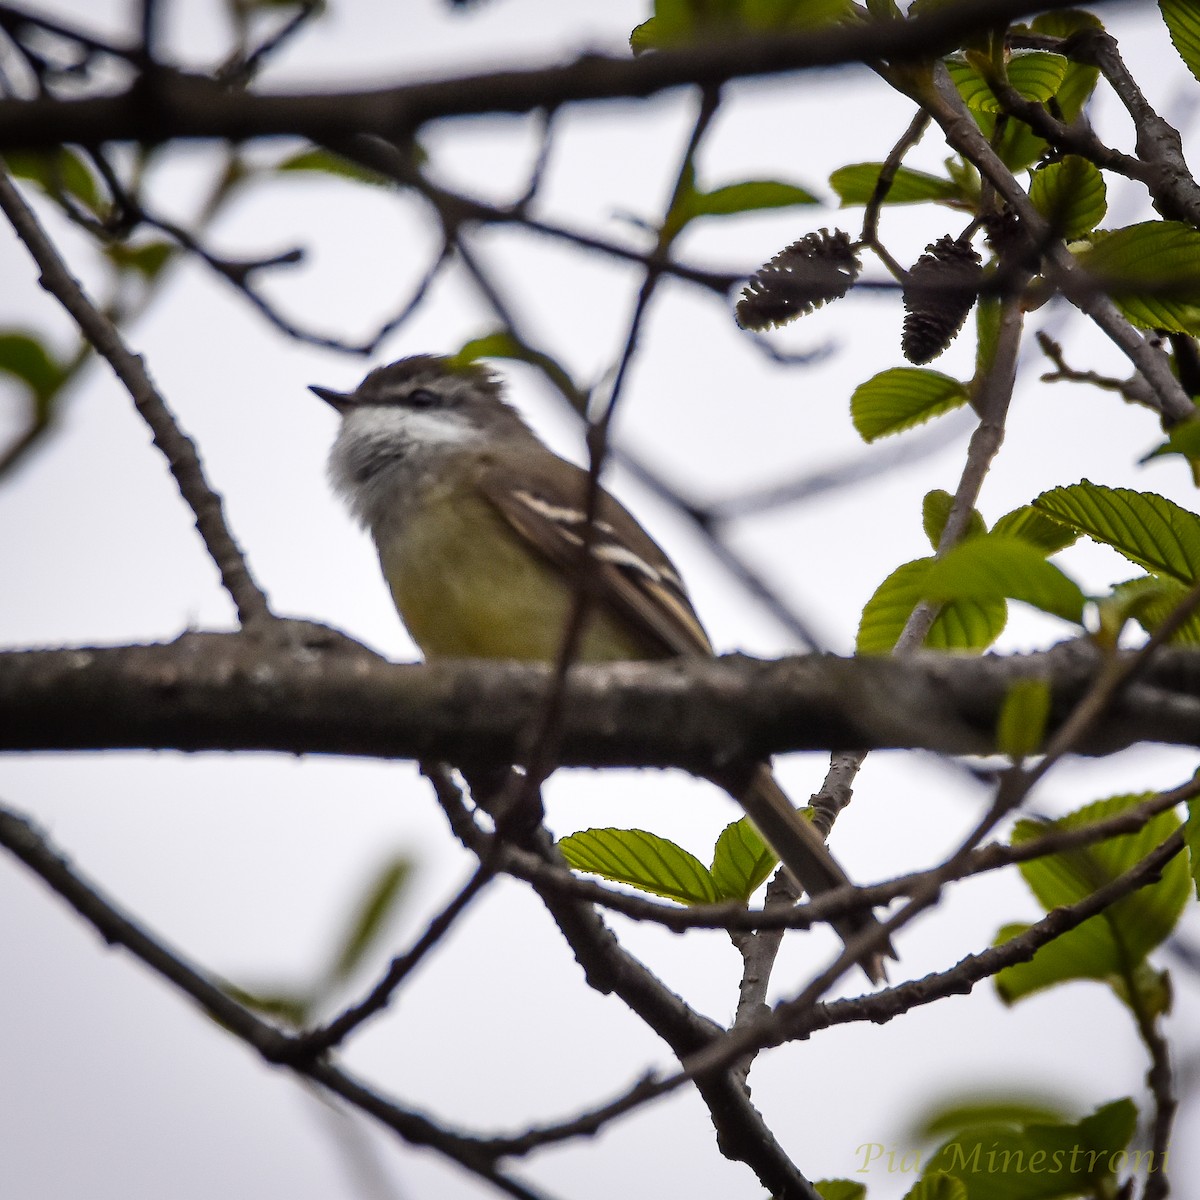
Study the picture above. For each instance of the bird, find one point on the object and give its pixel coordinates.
(480, 528)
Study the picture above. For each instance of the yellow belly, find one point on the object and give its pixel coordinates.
(467, 588)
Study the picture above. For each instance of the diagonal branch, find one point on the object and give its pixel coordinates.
(175, 445)
(26, 843)
(176, 105)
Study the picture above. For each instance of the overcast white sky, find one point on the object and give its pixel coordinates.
(112, 1086)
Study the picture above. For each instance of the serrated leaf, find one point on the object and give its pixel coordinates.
(935, 512)
(641, 860)
(325, 162)
(1111, 944)
(1049, 1161)
(901, 397)
(1024, 712)
(1149, 601)
(991, 567)
(961, 625)
(1035, 74)
(1016, 145)
(1037, 529)
(855, 184)
(937, 1186)
(1071, 196)
(26, 358)
(1080, 79)
(54, 171)
(1152, 272)
(967, 625)
(369, 921)
(1183, 24)
(742, 861)
(1146, 528)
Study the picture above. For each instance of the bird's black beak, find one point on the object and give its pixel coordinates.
(342, 401)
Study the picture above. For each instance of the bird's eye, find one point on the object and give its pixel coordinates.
(424, 398)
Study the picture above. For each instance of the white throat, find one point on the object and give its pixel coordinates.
(382, 452)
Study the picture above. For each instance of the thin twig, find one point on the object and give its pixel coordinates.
(320, 1041)
(887, 174)
(177, 448)
(608, 967)
(802, 1016)
(32, 848)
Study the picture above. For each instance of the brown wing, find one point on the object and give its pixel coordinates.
(545, 503)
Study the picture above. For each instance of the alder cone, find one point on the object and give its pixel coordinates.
(820, 267)
(940, 291)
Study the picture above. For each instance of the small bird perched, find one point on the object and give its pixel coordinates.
(479, 528)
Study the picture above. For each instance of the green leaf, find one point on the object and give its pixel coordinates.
(369, 922)
(937, 1186)
(1040, 1161)
(840, 1189)
(642, 860)
(967, 625)
(1149, 601)
(935, 512)
(962, 625)
(503, 344)
(147, 259)
(24, 357)
(855, 184)
(749, 196)
(1035, 74)
(1184, 440)
(901, 397)
(1192, 834)
(742, 861)
(1071, 195)
(681, 22)
(1152, 272)
(1110, 945)
(990, 567)
(949, 1117)
(289, 1008)
(1183, 23)
(55, 171)
(1021, 726)
(1147, 529)
(791, 14)
(1080, 79)
(325, 162)
(1037, 529)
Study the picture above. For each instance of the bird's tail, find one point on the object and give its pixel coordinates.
(801, 850)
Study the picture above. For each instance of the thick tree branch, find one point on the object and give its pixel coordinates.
(232, 692)
(169, 104)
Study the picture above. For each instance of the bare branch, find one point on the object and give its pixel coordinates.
(19, 837)
(175, 445)
(175, 105)
(227, 692)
